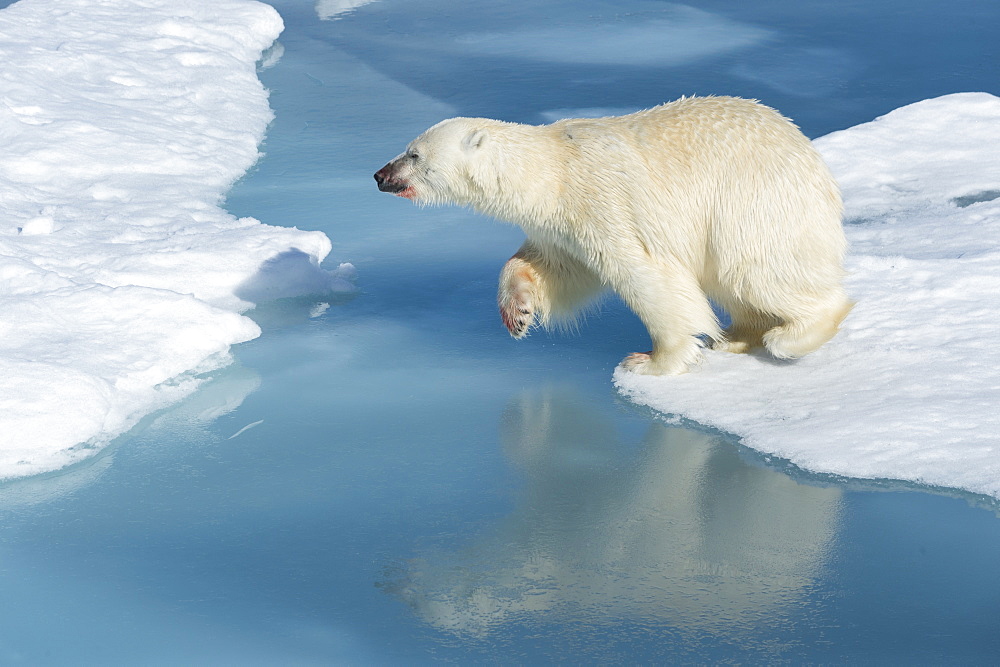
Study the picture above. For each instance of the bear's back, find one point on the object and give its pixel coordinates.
(719, 128)
(727, 151)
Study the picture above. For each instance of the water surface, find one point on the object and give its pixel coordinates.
(391, 479)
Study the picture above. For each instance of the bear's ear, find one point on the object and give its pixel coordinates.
(474, 140)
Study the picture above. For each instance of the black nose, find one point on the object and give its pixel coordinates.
(387, 182)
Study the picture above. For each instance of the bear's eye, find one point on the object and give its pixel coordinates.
(413, 156)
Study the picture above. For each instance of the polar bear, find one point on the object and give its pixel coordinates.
(704, 199)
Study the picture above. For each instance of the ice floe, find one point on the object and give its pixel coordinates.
(121, 278)
(909, 389)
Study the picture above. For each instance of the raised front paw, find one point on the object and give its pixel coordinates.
(517, 316)
(516, 297)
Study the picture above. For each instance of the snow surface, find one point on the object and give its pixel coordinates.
(909, 389)
(121, 280)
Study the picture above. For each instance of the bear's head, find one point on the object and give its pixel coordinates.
(442, 165)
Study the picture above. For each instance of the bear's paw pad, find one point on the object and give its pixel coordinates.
(517, 314)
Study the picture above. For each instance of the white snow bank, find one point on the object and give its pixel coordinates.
(123, 123)
(910, 388)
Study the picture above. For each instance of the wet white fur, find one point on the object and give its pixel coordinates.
(715, 197)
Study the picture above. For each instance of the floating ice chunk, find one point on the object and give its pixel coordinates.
(271, 56)
(246, 428)
(318, 310)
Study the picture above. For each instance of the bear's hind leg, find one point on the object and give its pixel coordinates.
(746, 332)
(804, 332)
(542, 283)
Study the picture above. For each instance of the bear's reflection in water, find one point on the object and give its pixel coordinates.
(677, 530)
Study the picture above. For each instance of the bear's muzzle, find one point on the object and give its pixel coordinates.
(389, 182)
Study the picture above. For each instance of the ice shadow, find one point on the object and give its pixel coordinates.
(294, 273)
(678, 530)
(292, 287)
(976, 198)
